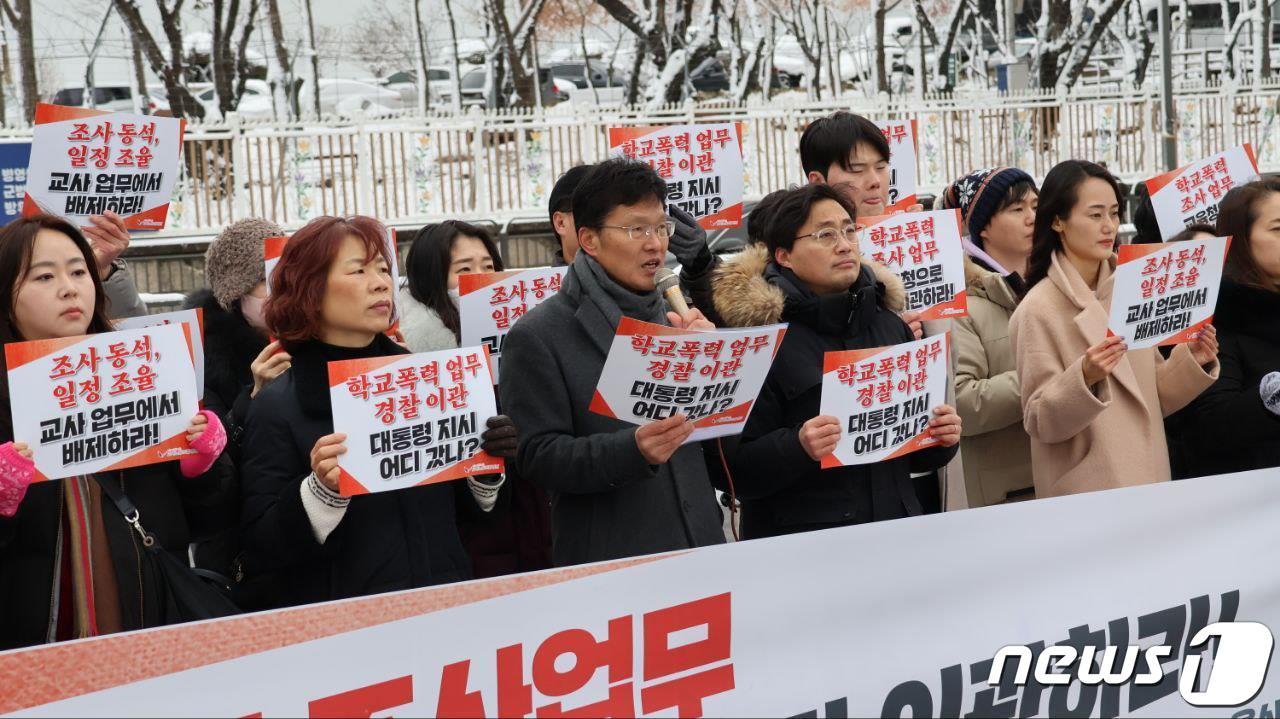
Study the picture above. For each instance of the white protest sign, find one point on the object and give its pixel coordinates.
(1191, 194)
(1164, 294)
(489, 303)
(926, 250)
(884, 398)
(711, 376)
(901, 135)
(103, 402)
(194, 322)
(702, 165)
(412, 419)
(85, 162)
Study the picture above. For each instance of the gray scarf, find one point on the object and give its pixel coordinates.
(613, 299)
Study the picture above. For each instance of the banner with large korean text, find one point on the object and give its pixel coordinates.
(784, 627)
(702, 165)
(103, 402)
(1164, 294)
(884, 398)
(926, 250)
(192, 319)
(1191, 194)
(901, 135)
(489, 303)
(412, 419)
(85, 162)
(711, 376)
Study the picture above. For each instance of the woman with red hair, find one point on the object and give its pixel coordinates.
(331, 300)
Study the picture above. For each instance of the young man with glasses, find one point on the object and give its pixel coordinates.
(616, 490)
(811, 275)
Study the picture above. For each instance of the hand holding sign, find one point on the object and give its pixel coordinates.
(109, 239)
(1204, 348)
(1101, 359)
(819, 436)
(659, 440)
(946, 426)
(270, 363)
(324, 459)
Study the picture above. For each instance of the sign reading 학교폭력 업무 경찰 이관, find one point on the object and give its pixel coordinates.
(901, 135)
(412, 419)
(1165, 293)
(87, 162)
(489, 303)
(106, 401)
(711, 376)
(884, 398)
(925, 250)
(1191, 194)
(702, 165)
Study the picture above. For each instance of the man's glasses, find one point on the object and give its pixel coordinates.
(637, 233)
(827, 237)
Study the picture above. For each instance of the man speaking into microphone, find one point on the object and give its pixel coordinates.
(616, 490)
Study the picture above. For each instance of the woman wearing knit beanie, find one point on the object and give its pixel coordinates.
(238, 361)
(998, 210)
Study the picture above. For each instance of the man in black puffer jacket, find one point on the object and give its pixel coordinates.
(811, 277)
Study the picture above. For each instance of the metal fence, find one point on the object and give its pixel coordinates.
(501, 165)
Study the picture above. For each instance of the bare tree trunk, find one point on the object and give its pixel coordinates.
(457, 65)
(423, 72)
(1262, 43)
(170, 71)
(139, 73)
(19, 15)
(315, 57)
(882, 76)
(1081, 51)
(286, 88)
(5, 75)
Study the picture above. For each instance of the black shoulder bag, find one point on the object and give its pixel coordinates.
(186, 595)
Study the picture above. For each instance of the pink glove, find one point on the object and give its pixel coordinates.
(209, 444)
(16, 473)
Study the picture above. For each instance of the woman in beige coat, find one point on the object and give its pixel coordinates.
(1093, 409)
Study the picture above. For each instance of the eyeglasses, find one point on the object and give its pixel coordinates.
(827, 237)
(636, 233)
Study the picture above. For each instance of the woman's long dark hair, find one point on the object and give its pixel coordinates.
(428, 263)
(1236, 216)
(17, 243)
(1058, 195)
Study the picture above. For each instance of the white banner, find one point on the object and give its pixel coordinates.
(925, 249)
(702, 165)
(85, 162)
(1165, 293)
(1191, 194)
(193, 320)
(412, 419)
(898, 618)
(489, 303)
(711, 376)
(884, 398)
(103, 402)
(901, 135)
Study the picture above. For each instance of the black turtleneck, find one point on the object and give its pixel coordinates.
(310, 366)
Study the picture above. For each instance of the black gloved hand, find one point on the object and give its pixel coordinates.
(501, 438)
(689, 242)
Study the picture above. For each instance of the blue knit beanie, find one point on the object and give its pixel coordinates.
(977, 195)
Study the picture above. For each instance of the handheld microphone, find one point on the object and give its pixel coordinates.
(666, 282)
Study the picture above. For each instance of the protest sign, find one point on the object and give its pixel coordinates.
(85, 162)
(490, 302)
(702, 165)
(1191, 194)
(925, 249)
(103, 402)
(711, 376)
(272, 249)
(901, 135)
(14, 159)
(412, 419)
(1164, 294)
(884, 398)
(193, 320)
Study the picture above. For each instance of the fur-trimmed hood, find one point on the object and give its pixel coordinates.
(744, 298)
(422, 328)
(987, 285)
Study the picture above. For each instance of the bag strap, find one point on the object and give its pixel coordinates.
(126, 508)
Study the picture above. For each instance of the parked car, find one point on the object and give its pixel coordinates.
(111, 97)
(439, 85)
(344, 97)
(589, 82)
(473, 94)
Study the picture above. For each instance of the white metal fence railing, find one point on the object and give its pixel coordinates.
(502, 164)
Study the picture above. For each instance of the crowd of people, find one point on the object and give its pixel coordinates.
(1046, 403)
